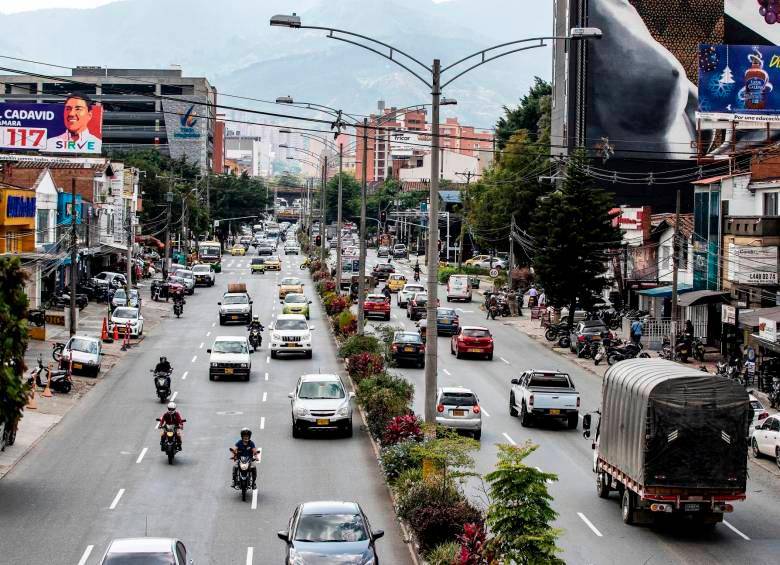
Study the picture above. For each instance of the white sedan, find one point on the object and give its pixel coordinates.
(121, 317)
(765, 439)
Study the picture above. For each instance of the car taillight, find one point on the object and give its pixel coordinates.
(440, 408)
(395, 347)
(578, 402)
(475, 409)
(763, 415)
(531, 399)
(580, 338)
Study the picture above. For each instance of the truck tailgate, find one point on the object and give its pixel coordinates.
(554, 398)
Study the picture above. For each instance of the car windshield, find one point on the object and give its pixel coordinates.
(320, 528)
(229, 347)
(555, 381)
(321, 389)
(476, 333)
(407, 338)
(257, 261)
(376, 298)
(140, 559)
(83, 345)
(133, 294)
(201, 269)
(184, 274)
(272, 258)
(413, 289)
(291, 282)
(446, 313)
(458, 399)
(125, 313)
(295, 299)
(297, 325)
(756, 405)
(239, 299)
(102, 276)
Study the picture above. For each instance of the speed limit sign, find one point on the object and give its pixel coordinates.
(494, 273)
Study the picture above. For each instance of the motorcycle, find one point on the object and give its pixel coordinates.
(162, 383)
(493, 311)
(178, 308)
(60, 379)
(416, 276)
(554, 331)
(255, 339)
(37, 317)
(169, 443)
(244, 477)
(56, 350)
(698, 349)
(682, 350)
(503, 306)
(626, 351)
(62, 300)
(588, 350)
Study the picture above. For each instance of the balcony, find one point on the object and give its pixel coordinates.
(752, 226)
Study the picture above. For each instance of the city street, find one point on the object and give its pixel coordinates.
(100, 474)
(593, 531)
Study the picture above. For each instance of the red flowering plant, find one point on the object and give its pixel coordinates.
(402, 428)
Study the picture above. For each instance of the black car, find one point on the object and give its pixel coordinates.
(265, 250)
(408, 346)
(585, 332)
(417, 307)
(329, 532)
(382, 271)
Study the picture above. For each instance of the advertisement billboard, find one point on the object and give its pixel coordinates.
(186, 125)
(752, 265)
(404, 144)
(74, 126)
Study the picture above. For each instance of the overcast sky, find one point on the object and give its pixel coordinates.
(11, 6)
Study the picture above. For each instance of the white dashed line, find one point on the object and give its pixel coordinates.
(504, 360)
(254, 499)
(116, 499)
(141, 456)
(266, 376)
(86, 554)
(184, 376)
(509, 439)
(194, 358)
(201, 345)
(213, 324)
(250, 553)
(268, 359)
(485, 412)
(265, 396)
(589, 524)
(208, 334)
(446, 371)
(736, 531)
(262, 422)
(174, 395)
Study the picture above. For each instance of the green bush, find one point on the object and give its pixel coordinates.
(426, 493)
(439, 523)
(444, 554)
(360, 344)
(400, 459)
(383, 397)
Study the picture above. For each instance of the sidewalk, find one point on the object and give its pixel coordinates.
(36, 423)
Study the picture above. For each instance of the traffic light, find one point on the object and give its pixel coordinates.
(383, 217)
(318, 240)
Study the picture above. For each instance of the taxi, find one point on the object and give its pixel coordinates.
(288, 285)
(237, 250)
(257, 265)
(396, 282)
(296, 303)
(273, 263)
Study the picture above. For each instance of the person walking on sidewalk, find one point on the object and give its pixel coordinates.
(636, 331)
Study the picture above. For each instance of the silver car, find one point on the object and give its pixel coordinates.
(145, 550)
(458, 408)
(189, 279)
(321, 402)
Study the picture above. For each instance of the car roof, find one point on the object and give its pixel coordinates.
(124, 308)
(376, 295)
(474, 328)
(292, 279)
(456, 389)
(329, 507)
(291, 317)
(230, 338)
(396, 276)
(314, 377)
(87, 337)
(413, 285)
(141, 545)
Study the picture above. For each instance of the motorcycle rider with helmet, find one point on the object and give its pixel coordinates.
(178, 298)
(163, 366)
(245, 446)
(417, 271)
(256, 325)
(172, 417)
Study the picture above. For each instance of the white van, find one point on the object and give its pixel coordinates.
(458, 288)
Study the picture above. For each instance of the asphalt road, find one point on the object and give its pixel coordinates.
(592, 529)
(100, 474)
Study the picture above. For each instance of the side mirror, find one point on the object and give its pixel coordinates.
(376, 534)
(219, 304)
(309, 301)
(351, 395)
(183, 420)
(586, 434)
(291, 395)
(311, 328)
(283, 535)
(208, 351)
(251, 302)
(157, 419)
(586, 422)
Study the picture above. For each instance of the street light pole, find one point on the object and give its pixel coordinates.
(363, 236)
(323, 230)
(338, 222)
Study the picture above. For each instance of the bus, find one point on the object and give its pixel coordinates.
(210, 252)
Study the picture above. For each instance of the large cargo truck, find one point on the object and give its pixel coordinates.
(670, 440)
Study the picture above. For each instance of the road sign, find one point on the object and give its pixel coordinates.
(494, 273)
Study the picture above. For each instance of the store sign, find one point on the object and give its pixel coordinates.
(404, 144)
(728, 314)
(752, 265)
(767, 329)
(20, 207)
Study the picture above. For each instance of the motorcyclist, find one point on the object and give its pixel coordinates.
(164, 366)
(172, 417)
(417, 270)
(386, 291)
(178, 297)
(492, 302)
(256, 325)
(245, 446)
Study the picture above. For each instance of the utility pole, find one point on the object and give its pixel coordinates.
(323, 230)
(463, 222)
(511, 248)
(166, 260)
(338, 223)
(363, 235)
(74, 251)
(675, 269)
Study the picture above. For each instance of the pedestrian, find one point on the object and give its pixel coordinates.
(636, 331)
(542, 299)
(533, 296)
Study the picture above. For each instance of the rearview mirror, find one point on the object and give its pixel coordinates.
(291, 395)
(351, 395)
(219, 304)
(311, 329)
(515, 381)
(376, 534)
(586, 422)
(586, 434)
(208, 351)
(284, 536)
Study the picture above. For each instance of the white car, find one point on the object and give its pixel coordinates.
(765, 439)
(229, 357)
(291, 333)
(292, 248)
(759, 412)
(123, 316)
(188, 279)
(204, 274)
(321, 402)
(408, 292)
(86, 352)
(146, 550)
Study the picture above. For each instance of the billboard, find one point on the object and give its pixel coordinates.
(752, 265)
(404, 144)
(74, 126)
(186, 125)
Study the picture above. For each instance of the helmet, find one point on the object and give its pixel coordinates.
(255, 318)
(246, 432)
(163, 359)
(171, 407)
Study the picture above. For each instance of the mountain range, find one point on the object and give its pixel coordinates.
(232, 44)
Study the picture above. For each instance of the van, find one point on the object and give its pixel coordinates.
(458, 288)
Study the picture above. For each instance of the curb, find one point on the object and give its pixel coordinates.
(30, 447)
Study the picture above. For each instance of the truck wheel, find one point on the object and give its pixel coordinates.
(602, 485)
(512, 407)
(573, 421)
(525, 419)
(627, 507)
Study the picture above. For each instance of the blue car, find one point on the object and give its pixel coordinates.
(447, 321)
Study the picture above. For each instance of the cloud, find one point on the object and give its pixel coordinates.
(14, 6)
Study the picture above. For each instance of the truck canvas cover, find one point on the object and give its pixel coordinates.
(667, 425)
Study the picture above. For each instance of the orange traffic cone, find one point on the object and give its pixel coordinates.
(104, 335)
(116, 333)
(47, 391)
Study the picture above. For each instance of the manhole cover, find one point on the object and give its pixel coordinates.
(229, 413)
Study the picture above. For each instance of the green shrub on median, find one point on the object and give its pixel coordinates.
(360, 344)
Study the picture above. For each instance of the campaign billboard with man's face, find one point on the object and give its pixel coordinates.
(75, 126)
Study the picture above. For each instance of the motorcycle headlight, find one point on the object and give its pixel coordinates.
(301, 411)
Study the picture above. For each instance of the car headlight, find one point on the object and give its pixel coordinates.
(244, 365)
(215, 364)
(301, 411)
(277, 336)
(343, 411)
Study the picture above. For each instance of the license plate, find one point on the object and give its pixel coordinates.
(323, 421)
(445, 322)
(458, 412)
(554, 412)
(688, 507)
(77, 365)
(228, 371)
(234, 317)
(409, 349)
(291, 345)
(475, 350)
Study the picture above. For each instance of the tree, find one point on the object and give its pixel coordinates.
(350, 198)
(519, 515)
(526, 116)
(571, 232)
(13, 340)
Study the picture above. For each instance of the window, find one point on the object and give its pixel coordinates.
(43, 228)
(770, 204)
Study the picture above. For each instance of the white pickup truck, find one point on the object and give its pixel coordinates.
(544, 394)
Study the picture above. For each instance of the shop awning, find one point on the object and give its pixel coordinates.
(772, 346)
(749, 318)
(700, 297)
(665, 291)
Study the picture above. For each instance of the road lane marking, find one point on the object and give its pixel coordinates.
(250, 553)
(213, 324)
(265, 395)
(509, 439)
(504, 360)
(116, 499)
(194, 358)
(262, 422)
(201, 345)
(589, 524)
(485, 412)
(266, 376)
(254, 499)
(86, 554)
(143, 452)
(157, 426)
(184, 376)
(268, 359)
(736, 531)
(173, 396)
(208, 334)
(446, 371)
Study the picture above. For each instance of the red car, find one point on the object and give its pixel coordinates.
(472, 340)
(377, 305)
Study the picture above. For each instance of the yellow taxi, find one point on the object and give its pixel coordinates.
(290, 285)
(273, 263)
(476, 260)
(257, 265)
(237, 250)
(295, 303)
(396, 282)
